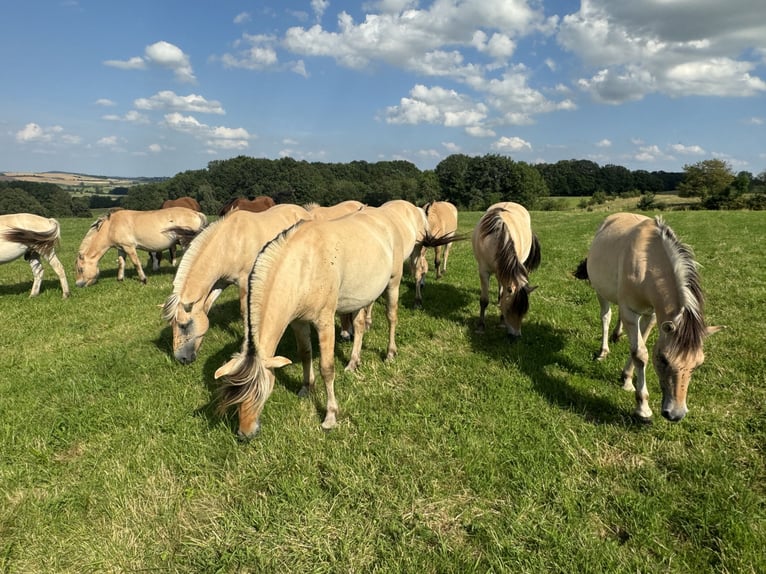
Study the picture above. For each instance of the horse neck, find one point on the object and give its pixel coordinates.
(97, 242)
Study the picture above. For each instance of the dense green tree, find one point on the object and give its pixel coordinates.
(14, 200)
(706, 178)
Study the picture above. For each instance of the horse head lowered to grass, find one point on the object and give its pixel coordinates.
(640, 264)
(505, 246)
(32, 236)
(128, 231)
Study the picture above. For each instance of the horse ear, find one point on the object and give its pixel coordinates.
(226, 368)
(530, 289)
(276, 362)
(668, 327)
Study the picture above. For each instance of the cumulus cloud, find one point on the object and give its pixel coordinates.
(676, 48)
(169, 100)
(219, 137)
(437, 106)
(34, 133)
(242, 18)
(106, 102)
(162, 54)
(507, 144)
(604, 143)
(688, 149)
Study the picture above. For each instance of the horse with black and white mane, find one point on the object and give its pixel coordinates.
(32, 236)
(640, 264)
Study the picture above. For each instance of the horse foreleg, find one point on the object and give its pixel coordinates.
(302, 332)
(606, 319)
(645, 325)
(326, 331)
(59, 269)
(483, 299)
(445, 256)
(639, 356)
(37, 273)
(359, 319)
(131, 251)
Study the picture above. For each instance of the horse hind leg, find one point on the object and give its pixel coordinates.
(326, 331)
(136, 263)
(606, 319)
(37, 272)
(359, 319)
(302, 332)
(59, 270)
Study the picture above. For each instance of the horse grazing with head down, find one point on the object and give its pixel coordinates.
(442, 221)
(32, 236)
(640, 264)
(304, 277)
(505, 246)
(221, 255)
(128, 231)
(155, 257)
(257, 204)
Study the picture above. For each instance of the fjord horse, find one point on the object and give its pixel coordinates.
(32, 236)
(257, 204)
(442, 221)
(220, 256)
(504, 245)
(129, 230)
(186, 201)
(640, 264)
(304, 277)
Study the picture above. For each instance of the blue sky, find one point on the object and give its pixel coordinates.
(152, 88)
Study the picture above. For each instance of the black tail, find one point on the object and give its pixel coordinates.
(582, 270)
(535, 255)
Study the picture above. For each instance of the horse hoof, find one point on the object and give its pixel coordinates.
(248, 437)
(304, 392)
(644, 421)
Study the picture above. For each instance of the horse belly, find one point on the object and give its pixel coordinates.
(10, 251)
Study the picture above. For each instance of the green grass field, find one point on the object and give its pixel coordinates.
(465, 454)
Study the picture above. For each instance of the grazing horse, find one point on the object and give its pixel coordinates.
(221, 255)
(442, 221)
(505, 246)
(304, 277)
(189, 202)
(640, 264)
(129, 230)
(257, 204)
(32, 236)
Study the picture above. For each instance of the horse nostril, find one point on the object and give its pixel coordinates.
(672, 416)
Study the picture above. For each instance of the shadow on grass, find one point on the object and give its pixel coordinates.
(538, 354)
(440, 298)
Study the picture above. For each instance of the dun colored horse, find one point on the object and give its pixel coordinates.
(640, 264)
(302, 278)
(32, 236)
(128, 231)
(257, 204)
(155, 257)
(505, 246)
(442, 221)
(221, 255)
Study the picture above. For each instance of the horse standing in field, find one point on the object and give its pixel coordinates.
(442, 221)
(257, 204)
(128, 231)
(304, 277)
(640, 264)
(505, 246)
(221, 255)
(155, 257)
(32, 236)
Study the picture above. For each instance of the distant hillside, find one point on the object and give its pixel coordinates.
(77, 180)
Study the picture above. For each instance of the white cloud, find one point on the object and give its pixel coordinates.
(132, 117)
(242, 18)
(108, 141)
(451, 147)
(437, 106)
(511, 144)
(219, 137)
(32, 132)
(163, 54)
(106, 102)
(155, 148)
(319, 7)
(604, 143)
(169, 100)
(688, 149)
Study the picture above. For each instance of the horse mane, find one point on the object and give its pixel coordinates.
(310, 205)
(509, 269)
(691, 328)
(192, 252)
(93, 229)
(246, 382)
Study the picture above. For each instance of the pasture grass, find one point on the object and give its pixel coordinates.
(467, 453)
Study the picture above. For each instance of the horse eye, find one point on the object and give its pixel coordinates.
(664, 360)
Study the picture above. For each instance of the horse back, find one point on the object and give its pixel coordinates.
(442, 218)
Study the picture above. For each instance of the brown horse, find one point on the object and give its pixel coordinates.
(302, 278)
(32, 236)
(442, 221)
(505, 246)
(640, 264)
(155, 257)
(129, 230)
(221, 255)
(257, 204)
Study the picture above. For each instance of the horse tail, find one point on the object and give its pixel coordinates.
(43, 242)
(439, 240)
(535, 255)
(582, 270)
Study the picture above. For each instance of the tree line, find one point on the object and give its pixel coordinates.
(470, 182)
